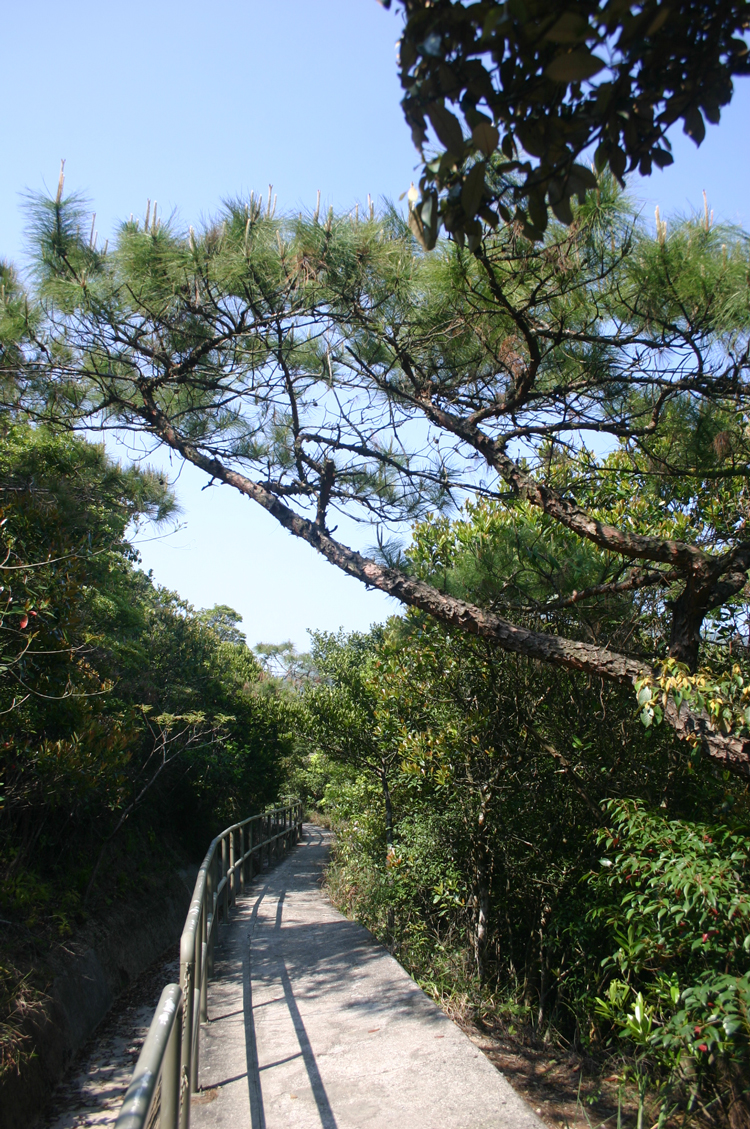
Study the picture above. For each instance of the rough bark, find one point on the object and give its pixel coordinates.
(708, 585)
(688, 613)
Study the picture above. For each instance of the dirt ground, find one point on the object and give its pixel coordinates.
(564, 1089)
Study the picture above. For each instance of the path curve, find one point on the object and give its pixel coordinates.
(312, 1023)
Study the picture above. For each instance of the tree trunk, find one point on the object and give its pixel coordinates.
(389, 851)
(688, 613)
(482, 903)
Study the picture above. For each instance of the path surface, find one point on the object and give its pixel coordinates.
(314, 1024)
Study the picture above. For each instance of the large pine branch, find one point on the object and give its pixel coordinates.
(730, 752)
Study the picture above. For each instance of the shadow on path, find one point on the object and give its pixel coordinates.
(255, 1089)
(257, 1113)
(335, 1034)
(327, 1120)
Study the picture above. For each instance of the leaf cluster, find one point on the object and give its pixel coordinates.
(122, 707)
(680, 915)
(538, 83)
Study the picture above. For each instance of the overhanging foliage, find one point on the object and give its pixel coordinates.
(594, 384)
(539, 83)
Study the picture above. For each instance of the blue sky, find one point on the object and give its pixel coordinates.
(192, 103)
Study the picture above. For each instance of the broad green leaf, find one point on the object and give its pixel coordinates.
(574, 66)
(447, 127)
(473, 190)
(485, 136)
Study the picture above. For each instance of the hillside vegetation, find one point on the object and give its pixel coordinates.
(133, 727)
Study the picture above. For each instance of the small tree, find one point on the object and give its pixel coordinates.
(225, 622)
(341, 711)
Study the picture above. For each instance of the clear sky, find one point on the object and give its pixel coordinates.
(192, 103)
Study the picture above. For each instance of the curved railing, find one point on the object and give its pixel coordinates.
(166, 1073)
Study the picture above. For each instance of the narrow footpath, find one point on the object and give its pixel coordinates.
(313, 1024)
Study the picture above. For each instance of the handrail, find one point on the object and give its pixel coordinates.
(232, 861)
(159, 1058)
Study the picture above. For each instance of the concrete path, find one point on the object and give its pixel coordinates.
(313, 1024)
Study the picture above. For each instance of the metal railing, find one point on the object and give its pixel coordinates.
(166, 1073)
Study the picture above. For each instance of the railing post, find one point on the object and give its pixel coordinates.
(242, 859)
(202, 984)
(224, 875)
(216, 912)
(233, 891)
(170, 1076)
(205, 971)
(197, 974)
(212, 905)
(187, 983)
